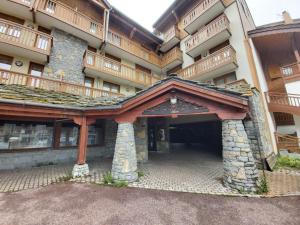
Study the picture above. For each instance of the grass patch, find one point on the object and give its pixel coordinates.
(109, 181)
(285, 161)
(140, 174)
(263, 187)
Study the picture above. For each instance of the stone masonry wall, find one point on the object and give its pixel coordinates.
(141, 139)
(260, 123)
(66, 58)
(240, 170)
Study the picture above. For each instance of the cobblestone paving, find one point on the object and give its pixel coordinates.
(184, 172)
(283, 182)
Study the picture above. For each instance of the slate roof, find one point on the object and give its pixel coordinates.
(27, 95)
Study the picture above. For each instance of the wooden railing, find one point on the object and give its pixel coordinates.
(15, 34)
(198, 11)
(283, 99)
(283, 119)
(9, 77)
(169, 34)
(71, 16)
(290, 70)
(287, 142)
(133, 48)
(119, 70)
(28, 3)
(216, 60)
(218, 25)
(171, 56)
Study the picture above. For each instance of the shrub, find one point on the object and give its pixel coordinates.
(286, 161)
(141, 174)
(263, 187)
(108, 180)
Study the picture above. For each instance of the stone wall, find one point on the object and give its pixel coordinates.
(240, 170)
(66, 58)
(260, 124)
(141, 139)
(16, 160)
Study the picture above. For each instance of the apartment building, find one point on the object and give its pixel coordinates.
(80, 80)
(276, 50)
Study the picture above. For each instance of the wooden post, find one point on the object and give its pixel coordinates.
(82, 122)
(57, 133)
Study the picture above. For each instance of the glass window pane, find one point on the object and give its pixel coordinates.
(69, 136)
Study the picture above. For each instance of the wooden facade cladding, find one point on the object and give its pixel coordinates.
(106, 65)
(291, 72)
(174, 55)
(28, 3)
(210, 63)
(9, 77)
(66, 14)
(288, 142)
(172, 32)
(132, 47)
(24, 37)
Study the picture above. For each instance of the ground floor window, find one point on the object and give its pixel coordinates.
(24, 135)
(35, 135)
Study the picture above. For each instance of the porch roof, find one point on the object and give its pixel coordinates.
(18, 94)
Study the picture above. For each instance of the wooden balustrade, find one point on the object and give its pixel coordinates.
(169, 34)
(18, 35)
(283, 99)
(133, 48)
(216, 60)
(106, 65)
(217, 26)
(171, 56)
(291, 70)
(198, 11)
(9, 77)
(28, 3)
(283, 119)
(287, 142)
(71, 16)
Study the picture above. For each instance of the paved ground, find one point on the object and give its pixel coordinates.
(193, 172)
(77, 204)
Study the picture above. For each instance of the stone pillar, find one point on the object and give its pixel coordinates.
(141, 139)
(124, 165)
(81, 168)
(240, 170)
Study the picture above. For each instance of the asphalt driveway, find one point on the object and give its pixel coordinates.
(80, 204)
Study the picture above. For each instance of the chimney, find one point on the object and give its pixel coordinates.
(287, 17)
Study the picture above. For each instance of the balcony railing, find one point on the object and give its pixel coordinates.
(171, 33)
(198, 11)
(105, 65)
(9, 77)
(215, 27)
(171, 56)
(71, 16)
(281, 99)
(214, 61)
(133, 48)
(291, 71)
(287, 142)
(18, 35)
(28, 3)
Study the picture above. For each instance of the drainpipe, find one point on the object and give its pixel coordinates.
(106, 27)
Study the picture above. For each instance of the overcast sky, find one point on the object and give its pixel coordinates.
(146, 12)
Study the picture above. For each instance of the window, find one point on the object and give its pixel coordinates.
(89, 83)
(93, 28)
(111, 87)
(221, 81)
(36, 70)
(43, 42)
(25, 135)
(96, 135)
(5, 62)
(114, 38)
(69, 136)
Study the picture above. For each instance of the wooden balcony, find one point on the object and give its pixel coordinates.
(123, 47)
(110, 70)
(209, 36)
(214, 65)
(171, 38)
(9, 77)
(288, 142)
(281, 102)
(172, 59)
(202, 14)
(19, 40)
(52, 13)
(291, 73)
(283, 119)
(17, 8)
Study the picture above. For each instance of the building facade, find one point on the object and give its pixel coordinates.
(80, 80)
(276, 51)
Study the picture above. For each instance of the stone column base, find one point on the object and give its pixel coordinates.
(80, 170)
(128, 177)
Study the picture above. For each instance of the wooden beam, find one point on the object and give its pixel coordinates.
(81, 157)
(132, 32)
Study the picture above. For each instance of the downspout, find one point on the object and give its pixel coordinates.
(106, 27)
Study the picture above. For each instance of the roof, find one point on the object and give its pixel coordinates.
(277, 26)
(19, 94)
